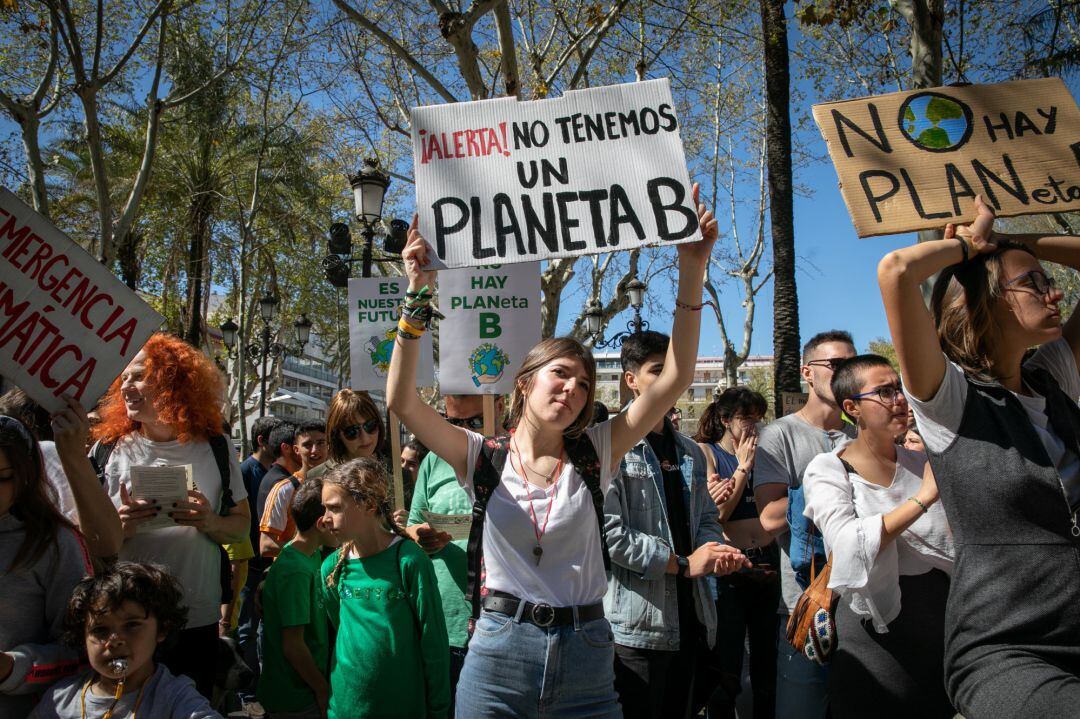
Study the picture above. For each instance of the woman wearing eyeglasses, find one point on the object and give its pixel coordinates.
(877, 510)
(354, 428)
(1001, 434)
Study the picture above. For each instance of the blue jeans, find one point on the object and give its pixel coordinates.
(800, 683)
(517, 669)
(249, 629)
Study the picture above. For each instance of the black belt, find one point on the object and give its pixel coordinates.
(542, 615)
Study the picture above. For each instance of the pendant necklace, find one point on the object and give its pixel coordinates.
(538, 550)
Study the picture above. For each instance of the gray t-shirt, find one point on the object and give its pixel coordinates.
(785, 447)
(164, 696)
(938, 418)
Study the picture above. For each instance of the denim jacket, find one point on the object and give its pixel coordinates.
(641, 601)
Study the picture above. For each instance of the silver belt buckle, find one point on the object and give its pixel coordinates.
(543, 615)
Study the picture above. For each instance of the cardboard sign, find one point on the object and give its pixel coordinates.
(792, 402)
(67, 324)
(915, 160)
(502, 181)
(374, 305)
(492, 321)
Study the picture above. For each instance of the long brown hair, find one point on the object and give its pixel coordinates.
(365, 480)
(962, 304)
(547, 351)
(32, 504)
(732, 401)
(346, 405)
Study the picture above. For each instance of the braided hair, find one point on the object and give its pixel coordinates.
(365, 480)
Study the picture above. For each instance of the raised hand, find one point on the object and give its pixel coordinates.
(701, 250)
(746, 450)
(979, 235)
(415, 257)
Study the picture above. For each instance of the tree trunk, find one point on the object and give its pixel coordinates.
(781, 217)
(127, 256)
(199, 224)
(34, 165)
(96, 149)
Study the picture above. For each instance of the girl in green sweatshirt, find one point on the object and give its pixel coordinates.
(391, 657)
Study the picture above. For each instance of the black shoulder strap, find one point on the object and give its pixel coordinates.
(219, 443)
(583, 456)
(486, 477)
(99, 457)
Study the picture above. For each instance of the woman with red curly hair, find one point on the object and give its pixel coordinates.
(165, 410)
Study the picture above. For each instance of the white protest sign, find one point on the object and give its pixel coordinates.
(374, 304)
(67, 324)
(492, 321)
(502, 181)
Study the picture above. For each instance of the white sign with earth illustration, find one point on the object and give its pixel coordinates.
(374, 309)
(492, 321)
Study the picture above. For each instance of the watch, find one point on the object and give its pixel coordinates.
(684, 565)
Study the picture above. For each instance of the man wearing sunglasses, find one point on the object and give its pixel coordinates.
(276, 526)
(437, 491)
(784, 450)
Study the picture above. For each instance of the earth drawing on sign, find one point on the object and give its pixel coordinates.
(487, 364)
(380, 350)
(935, 122)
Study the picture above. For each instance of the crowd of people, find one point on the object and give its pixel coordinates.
(614, 566)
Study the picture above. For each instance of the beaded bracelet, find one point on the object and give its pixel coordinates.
(923, 506)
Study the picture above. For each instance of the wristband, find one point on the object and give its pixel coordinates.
(407, 332)
(963, 248)
(691, 308)
(925, 509)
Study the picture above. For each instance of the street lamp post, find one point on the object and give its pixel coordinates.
(594, 317)
(369, 190)
(267, 347)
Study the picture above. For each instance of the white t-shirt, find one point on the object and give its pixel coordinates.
(938, 418)
(848, 510)
(571, 570)
(57, 479)
(191, 556)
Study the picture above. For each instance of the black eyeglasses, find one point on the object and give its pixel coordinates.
(1035, 280)
(888, 394)
(832, 363)
(475, 423)
(353, 430)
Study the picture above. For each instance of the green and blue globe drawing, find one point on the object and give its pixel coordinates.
(380, 349)
(487, 364)
(935, 122)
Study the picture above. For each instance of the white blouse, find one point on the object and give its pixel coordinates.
(848, 511)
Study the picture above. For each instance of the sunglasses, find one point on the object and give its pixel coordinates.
(888, 394)
(474, 423)
(1035, 280)
(832, 363)
(353, 430)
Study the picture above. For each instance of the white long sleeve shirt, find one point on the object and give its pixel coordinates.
(848, 512)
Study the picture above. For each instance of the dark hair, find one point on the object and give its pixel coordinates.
(418, 447)
(283, 433)
(16, 403)
(262, 427)
(962, 304)
(344, 407)
(311, 426)
(847, 380)
(149, 585)
(600, 413)
(34, 501)
(731, 402)
(638, 347)
(821, 338)
(306, 506)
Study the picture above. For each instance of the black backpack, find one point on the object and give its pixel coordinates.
(486, 478)
(219, 444)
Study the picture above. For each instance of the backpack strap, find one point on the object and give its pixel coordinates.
(99, 457)
(486, 477)
(219, 443)
(583, 456)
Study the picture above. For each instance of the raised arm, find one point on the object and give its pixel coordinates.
(445, 440)
(630, 426)
(900, 274)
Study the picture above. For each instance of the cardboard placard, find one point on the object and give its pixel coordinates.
(67, 324)
(915, 160)
(492, 321)
(374, 304)
(503, 181)
(792, 402)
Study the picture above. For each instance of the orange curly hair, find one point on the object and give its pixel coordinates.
(188, 391)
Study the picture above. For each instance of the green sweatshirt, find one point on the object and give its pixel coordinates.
(391, 658)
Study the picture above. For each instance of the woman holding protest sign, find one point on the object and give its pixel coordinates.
(542, 640)
(165, 411)
(1001, 435)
